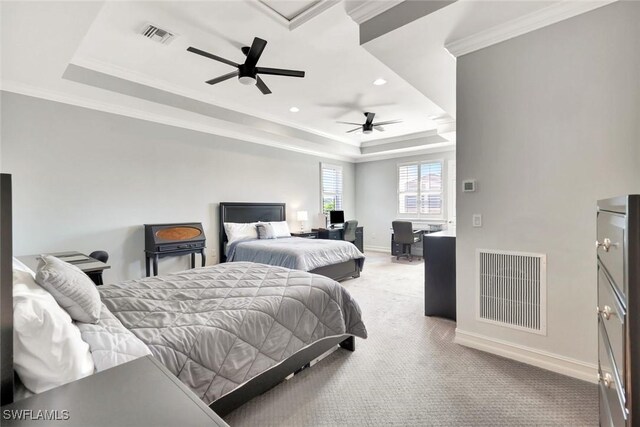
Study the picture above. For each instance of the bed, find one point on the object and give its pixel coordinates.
(337, 260)
(229, 332)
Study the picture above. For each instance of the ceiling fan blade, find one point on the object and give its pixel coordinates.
(254, 53)
(279, 72)
(389, 122)
(211, 56)
(353, 130)
(370, 117)
(378, 127)
(222, 78)
(350, 123)
(262, 86)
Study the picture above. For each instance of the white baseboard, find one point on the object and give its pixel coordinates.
(542, 359)
(384, 249)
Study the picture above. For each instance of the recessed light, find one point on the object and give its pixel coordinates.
(379, 82)
(294, 109)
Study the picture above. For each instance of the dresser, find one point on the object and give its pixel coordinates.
(618, 310)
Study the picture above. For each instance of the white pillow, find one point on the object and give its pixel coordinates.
(19, 266)
(48, 350)
(281, 229)
(240, 231)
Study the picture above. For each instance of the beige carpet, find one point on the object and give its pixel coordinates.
(410, 373)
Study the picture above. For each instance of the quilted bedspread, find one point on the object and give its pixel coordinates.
(217, 327)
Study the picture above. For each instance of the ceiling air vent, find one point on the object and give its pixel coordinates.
(159, 35)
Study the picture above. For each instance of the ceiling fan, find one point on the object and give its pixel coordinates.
(369, 126)
(247, 72)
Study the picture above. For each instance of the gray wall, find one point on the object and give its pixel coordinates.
(86, 180)
(377, 196)
(548, 123)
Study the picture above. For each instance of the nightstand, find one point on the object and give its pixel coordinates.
(138, 393)
(306, 234)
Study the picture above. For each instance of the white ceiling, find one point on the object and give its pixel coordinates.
(90, 54)
(339, 73)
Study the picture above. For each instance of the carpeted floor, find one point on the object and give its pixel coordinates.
(410, 373)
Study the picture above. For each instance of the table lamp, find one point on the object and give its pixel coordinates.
(302, 217)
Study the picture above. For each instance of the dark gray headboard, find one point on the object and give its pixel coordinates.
(247, 212)
(6, 292)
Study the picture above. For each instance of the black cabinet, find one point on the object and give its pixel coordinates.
(440, 274)
(338, 234)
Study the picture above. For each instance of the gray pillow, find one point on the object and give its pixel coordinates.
(265, 231)
(71, 288)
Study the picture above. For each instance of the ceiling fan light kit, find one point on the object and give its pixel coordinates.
(247, 72)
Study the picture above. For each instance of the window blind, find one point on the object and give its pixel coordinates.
(420, 188)
(331, 187)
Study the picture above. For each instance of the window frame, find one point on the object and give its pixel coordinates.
(443, 197)
(335, 167)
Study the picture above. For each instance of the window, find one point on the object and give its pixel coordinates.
(331, 177)
(420, 189)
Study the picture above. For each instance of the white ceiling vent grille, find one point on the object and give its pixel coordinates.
(157, 34)
(512, 289)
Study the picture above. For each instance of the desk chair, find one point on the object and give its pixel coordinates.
(96, 276)
(349, 231)
(403, 234)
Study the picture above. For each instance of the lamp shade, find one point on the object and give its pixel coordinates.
(303, 216)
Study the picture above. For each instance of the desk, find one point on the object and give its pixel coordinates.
(338, 234)
(85, 263)
(138, 393)
(440, 274)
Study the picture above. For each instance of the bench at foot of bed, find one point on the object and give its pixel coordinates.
(272, 377)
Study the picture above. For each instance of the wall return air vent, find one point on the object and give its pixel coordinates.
(157, 34)
(511, 289)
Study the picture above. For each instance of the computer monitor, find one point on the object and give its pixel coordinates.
(336, 217)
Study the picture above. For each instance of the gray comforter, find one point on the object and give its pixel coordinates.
(217, 327)
(295, 252)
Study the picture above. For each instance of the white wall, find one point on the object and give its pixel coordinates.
(548, 123)
(377, 196)
(86, 180)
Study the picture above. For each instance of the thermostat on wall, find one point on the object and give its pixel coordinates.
(469, 186)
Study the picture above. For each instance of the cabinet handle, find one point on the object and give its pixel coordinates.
(606, 244)
(606, 312)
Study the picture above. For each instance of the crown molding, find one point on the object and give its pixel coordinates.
(401, 138)
(369, 9)
(541, 18)
(299, 19)
(78, 101)
(440, 147)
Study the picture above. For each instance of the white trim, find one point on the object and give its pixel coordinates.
(382, 249)
(531, 356)
(370, 9)
(311, 13)
(337, 168)
(400, 138)
(439, 148)
(22, 89)
(452, 190)
(540, 18)
(304, 16)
